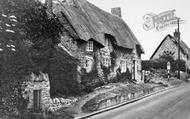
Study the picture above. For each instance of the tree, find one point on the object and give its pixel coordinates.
(63, 74)
(168, 56)
(27, 36)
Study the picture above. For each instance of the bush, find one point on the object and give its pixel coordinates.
(124, 76)
(63, 74)
(90, 80)
(106, 72)
(162, 64)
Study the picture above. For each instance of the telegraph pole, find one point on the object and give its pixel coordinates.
(187, 67)
(178, 34)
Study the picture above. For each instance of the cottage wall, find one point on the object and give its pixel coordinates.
(168, 45)
(123, 55)
(77, 48)
(132, 62)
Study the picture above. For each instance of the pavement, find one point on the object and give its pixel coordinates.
(170, 104)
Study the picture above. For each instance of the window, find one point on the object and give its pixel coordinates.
(89, 46)
(86, 63)
(123, 66)
(106, 62)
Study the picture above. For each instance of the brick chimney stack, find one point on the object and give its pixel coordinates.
(116, 11)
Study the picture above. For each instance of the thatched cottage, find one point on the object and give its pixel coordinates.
(98, 45)
(98, 38)
(170, 44)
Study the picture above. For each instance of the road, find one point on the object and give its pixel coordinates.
(170, 104)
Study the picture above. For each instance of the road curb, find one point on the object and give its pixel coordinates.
(126, 102)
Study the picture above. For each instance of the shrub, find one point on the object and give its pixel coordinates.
(162, 64)
(106, 72)
(124, 76)
(63, 74)
(89, 80)
(25, 27)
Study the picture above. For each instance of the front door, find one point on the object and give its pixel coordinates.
(37, 100)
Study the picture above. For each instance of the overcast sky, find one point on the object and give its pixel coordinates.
(134, 10)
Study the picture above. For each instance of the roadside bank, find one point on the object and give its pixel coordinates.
(123, 95)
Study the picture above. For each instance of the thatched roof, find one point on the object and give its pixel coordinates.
(183, 47)
(90, 21)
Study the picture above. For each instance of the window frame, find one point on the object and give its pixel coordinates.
(106, 62)
(123, 65)
(90, 46)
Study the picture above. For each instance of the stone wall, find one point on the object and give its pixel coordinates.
(119, 96)
(168, 45)
(38, 82)
(87, 61)
(41, 82)
(133, 61)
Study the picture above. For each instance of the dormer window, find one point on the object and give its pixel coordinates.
(89, 46)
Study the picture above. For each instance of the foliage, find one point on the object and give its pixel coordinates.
(92, 79)
(106, 72)
(89, 80)
(168, 56)
(27, 36)
(155, 64)
(161, 62)
(182, 65)
(62, 71)
(124, 76)
(13, 72)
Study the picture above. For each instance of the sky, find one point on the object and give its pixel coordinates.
(134, 10)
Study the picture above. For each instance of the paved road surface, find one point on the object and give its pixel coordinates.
(171, 104)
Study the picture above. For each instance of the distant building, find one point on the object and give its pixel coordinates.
(170, 44)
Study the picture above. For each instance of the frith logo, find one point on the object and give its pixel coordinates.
(160, 21)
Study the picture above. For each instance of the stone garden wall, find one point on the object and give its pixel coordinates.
(41, 82)
(38, 82)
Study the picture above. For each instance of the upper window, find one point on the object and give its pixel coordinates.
(89, 46)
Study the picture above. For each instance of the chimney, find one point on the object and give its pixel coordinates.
(176, 34)
(116, 11)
